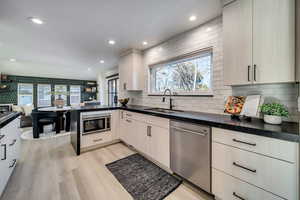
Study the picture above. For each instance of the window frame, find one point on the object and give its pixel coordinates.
(73, 104)
(32, 95)
(37, 96)
(191, 55)
(116, 80)
(55, 96)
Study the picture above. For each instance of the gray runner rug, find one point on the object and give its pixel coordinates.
(143, 179)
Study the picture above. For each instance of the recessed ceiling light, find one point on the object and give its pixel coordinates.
(145, 43)
(36, 20)
(208, 29)
(12, 60)
(89, 69)
(101, 61)
(192, 18)
(112, 42)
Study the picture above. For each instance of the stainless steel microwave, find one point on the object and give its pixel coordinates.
(95, 122)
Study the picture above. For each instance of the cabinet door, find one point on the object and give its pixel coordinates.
(115, 125)
(274, 41)
(141, 140)
(123, 128)
(159, 145)
(237, 41)
(298, 39)
(125, 72)
(4, 162)
(129, 132)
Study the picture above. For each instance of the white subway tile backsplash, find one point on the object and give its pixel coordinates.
(197, 39)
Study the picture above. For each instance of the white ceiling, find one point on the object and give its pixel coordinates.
(75, 34)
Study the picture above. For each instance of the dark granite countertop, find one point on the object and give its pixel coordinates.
(8, 117)
(288, 131)
(95, 108)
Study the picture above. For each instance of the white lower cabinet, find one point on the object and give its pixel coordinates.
(9, 151)
(4, 169)
(95, 140)
(244, 167)
(226, 187)
(159, 145)
(141, 139)
(122, 129)
(115, 128)
(146, 134)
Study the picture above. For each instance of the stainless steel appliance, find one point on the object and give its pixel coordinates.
(95, 122)
(191, 153)
(5, 108)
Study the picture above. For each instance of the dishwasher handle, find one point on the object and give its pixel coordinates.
(204, 133)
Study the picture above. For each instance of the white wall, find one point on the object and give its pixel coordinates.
(208, 35)
(102, 85)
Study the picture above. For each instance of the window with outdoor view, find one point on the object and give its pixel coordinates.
(61, 90)
(25, 94)
(75, 93)
(189, 75)
(44, 95)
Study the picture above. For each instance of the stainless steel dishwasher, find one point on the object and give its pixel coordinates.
(191, 153)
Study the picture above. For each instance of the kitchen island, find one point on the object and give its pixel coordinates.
(10, 146)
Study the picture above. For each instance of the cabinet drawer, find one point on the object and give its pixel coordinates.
(276, 176)
(95, 139)
(158, 121)
(11, 130)
(226, 187)
(275, 148)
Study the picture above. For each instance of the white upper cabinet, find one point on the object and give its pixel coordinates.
(274, 41)
(237, 31)
(298, 39)
(259, 41)
(131, 71)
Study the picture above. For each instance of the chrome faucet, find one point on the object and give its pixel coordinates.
(170, 96)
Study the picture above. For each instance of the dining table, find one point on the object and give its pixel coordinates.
(60, 112)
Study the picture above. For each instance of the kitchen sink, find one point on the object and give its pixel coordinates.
(163, 110)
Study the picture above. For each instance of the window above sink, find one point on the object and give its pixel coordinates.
(185, 75)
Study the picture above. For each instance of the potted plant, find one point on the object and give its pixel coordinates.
(273, 112)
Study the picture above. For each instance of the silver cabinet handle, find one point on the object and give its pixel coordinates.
(13, 164)
(98, 140)
(248, 143)
(254, 72)
(13, 143)
(5, 151)
(2, 136)
(249, 68)
(238, 196)
(129, 115)
(127, 120)
(246, 168)
(188, 131)
(149, 129)
(124, 86)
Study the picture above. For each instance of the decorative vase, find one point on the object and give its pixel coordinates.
(272, 119)
(59, 102)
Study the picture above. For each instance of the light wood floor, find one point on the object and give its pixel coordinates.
(50, 170)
